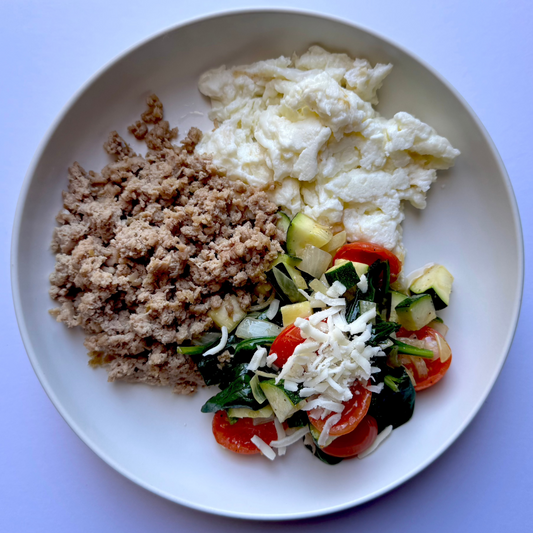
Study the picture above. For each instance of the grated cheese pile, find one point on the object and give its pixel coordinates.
(332, 357)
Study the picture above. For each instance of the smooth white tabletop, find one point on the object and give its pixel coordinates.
(50, 481)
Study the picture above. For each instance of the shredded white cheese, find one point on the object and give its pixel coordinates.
(336, 290)
(258, 359)
(281, 435)
(264, 448)
(330, 422)
(271, 359)
(220, 346)
(363, 284)
(290, 439)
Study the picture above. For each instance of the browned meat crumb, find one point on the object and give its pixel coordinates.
(138, 130)
(148, 246)
(193, 138)
(117, 146)
(154, 113)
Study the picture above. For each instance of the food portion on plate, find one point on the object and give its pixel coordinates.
(356, 346)
(265, 258)
(304, 128)
(150, 246)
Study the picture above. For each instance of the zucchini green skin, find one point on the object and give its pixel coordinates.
(437, 282)
(287, 260)
(303, 231)
(416, 312)
(344, 273)
(283, 222)
(395, 299)
(283, 402)
(285, 287)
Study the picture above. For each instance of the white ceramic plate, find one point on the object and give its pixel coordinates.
(162, 441)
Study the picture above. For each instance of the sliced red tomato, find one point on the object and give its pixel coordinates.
(436, 368)
(355, 410)
(285, 344)
(237, 437)
(367, 253)
(355, 442)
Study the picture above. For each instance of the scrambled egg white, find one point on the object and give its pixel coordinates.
(305, 130)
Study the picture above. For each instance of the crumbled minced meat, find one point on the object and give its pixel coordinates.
(148, 246)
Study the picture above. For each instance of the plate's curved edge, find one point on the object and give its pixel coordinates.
(15, 280)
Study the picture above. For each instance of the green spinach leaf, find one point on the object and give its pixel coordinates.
(237, 394)
(395, 404)
(381, 331)
(216, 373)
(378, 277)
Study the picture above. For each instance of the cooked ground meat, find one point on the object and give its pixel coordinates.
(148, 246)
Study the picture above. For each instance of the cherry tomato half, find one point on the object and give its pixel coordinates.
(355, 410)
(285, 344)
(355, 442)
(237, 437)
(367, 253)
(436, 368)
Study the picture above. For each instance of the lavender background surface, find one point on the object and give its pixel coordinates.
(51, 482)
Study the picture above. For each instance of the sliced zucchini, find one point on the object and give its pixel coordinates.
(283, 222)
(360, 268)
(303, 231)
(293, 311)
(338, 240)
(243, 412)
(286, 260)
(229, 314)
(283, 402)
(285, 287)
(395, 299)
(316, 435)
(296, 276)
(345, 273)
(416, 312)
(437, 282)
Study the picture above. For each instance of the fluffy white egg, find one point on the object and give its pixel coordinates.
(304, 129)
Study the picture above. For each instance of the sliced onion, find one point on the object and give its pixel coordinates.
(445, 352)
(418, 273)
(411, 377)
(420, 366)
(265, 304)
(251, 328)
(336, 242)
(440, 327)
(314, 261)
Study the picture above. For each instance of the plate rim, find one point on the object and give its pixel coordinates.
(34, 359)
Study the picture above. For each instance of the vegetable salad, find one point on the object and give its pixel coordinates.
(336, 357)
